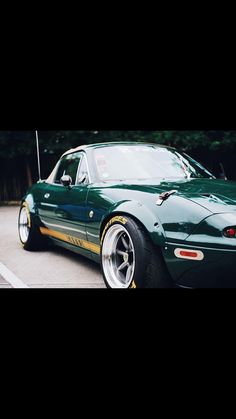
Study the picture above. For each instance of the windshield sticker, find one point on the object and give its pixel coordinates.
(102, 166)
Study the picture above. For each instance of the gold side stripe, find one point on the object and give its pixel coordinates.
(95, 248)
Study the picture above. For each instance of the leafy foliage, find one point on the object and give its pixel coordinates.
(18, 157)
(15, 143)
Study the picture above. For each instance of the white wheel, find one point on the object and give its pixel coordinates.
(118, 257)
(24, 225)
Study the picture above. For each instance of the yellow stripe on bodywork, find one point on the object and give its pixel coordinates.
(95, 248)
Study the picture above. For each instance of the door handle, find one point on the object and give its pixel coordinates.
(47, 195)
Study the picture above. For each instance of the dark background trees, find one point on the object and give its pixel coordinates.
(18, 159)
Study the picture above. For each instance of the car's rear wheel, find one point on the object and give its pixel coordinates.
(29, 233)
(129, 258)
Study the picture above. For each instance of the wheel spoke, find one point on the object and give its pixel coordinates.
(24, 223)
(121, 253)
(126, 245)
(128, 273)
(122, 266)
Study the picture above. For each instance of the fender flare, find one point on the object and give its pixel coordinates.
(29, 200)
(143, 215)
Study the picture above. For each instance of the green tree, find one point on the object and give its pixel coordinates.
(22, 143)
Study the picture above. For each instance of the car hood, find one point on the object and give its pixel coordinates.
(215, 195)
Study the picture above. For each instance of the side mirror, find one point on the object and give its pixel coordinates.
(66, 180)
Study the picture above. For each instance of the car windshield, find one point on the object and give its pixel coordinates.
(143, 162)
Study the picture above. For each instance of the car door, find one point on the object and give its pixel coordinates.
(63, 209)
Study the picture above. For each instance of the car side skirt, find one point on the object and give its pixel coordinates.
(75, 241)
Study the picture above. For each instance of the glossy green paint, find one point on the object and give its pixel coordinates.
(178, 218)
(193, 218)
(216, 269)
(139, 201)
(63, 211)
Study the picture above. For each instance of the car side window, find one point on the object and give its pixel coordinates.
(68, 166)
(82, 176)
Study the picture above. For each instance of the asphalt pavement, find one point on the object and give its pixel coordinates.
(4, 283)
(51, 268)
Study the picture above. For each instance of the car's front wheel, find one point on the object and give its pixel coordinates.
(29, 233)
(128, 257)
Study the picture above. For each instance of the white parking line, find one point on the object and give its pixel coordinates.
(11, 278)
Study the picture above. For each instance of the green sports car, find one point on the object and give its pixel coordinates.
(151, 215)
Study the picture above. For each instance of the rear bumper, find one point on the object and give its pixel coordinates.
(216, 270)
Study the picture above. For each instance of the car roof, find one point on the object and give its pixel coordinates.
(110, 144)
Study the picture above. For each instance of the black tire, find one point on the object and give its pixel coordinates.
(149, 269)
(29, 233)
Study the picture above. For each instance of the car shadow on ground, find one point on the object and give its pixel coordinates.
(75, 257)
